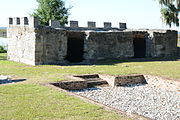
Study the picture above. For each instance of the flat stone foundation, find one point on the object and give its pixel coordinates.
(77, 82)
(114, 81)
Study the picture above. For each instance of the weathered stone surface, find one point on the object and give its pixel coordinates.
(91, 24)
(54, 23)
(74, 24)
(132, 79)
(33, 44)
(33, 22)
(123, 80)
(122, 25)
(10, 21)
(108, 45)
(73, 85)
(51, 46)
(24, 21)
(21, 44)
(107, 24)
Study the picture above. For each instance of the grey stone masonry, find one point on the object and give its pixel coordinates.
(33, 22)
(31, 43)
(108, 45)
(91, 24)
(107, 24)
(74, 24)
(114, 81)
(18, 21)
(24, 21)
(54, 23)
(122, 25)
(10, 21)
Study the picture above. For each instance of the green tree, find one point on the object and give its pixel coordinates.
(170, 11)
(51, 10)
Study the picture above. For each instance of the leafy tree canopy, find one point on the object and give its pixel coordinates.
(170, 11)
(51, 10)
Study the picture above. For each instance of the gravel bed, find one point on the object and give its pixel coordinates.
(147, 100)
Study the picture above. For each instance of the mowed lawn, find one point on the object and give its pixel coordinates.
(30, 100)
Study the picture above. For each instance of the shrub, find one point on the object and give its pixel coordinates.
(2, 49)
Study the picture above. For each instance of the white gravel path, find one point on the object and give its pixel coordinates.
(154, 102)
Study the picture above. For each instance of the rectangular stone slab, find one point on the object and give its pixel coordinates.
(132, 79)
(123, 80)
(73, 85)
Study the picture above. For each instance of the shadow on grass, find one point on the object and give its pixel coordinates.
(117, 61)
(113, 62)
(11, 81)
(3, 56)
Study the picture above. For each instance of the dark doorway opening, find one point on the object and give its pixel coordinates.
(75, 49)
(139, 47)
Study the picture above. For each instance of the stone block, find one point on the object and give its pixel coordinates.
(91, 24)
(73, 85)
(122, 25)
(10, 21)
(33, 22)
(24, 21)
(114, 81)
(74, 24)
(54, 23)
(132, 79)
(16, 21)
(107, 24)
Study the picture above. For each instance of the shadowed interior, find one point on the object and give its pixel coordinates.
(139, 47)
(75, 47)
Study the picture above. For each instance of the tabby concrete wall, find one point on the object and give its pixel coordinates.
(21, 44)
(51, 46)
(108, 45)
(164, 43)
(33, 44)
(159, 43)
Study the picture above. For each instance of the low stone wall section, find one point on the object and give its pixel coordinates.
(114, 81)
(108, 45)
(51, 46)
(164, 43)
(21, 44)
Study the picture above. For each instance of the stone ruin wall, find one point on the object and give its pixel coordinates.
(159, 43)
(51, 46)
(21, 41)
(165, 43)
(108, 45)
(33, 44)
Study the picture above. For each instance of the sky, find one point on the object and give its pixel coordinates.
(136, 13)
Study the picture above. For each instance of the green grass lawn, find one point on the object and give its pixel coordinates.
(31, 100)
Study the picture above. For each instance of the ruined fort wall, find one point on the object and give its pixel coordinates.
(21, 44)
(164, 43)
(108, 45)
(159, 43)
(51, 46)
(21, 41)
(33, 44)
(30, 43)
